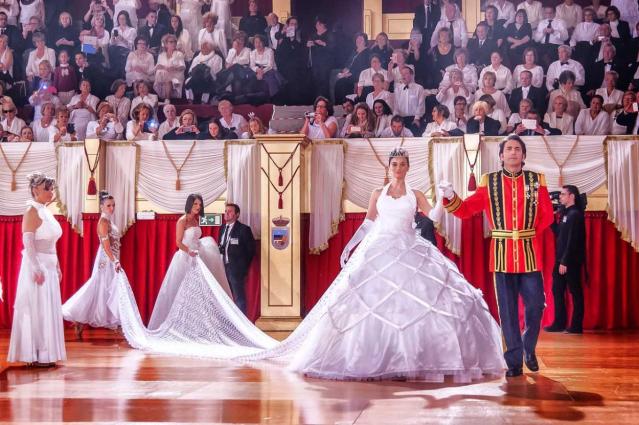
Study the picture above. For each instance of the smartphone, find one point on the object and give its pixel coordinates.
(416, 38)
(70, 128)
(115, 32)
(635, 107)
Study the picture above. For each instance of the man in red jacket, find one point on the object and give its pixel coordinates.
(518, 207)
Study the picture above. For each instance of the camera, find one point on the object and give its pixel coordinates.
(556, 205)
(150, 126)
(309, 115)
(44, 85)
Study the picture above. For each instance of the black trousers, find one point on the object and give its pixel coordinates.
(572, 281)
(237, 282)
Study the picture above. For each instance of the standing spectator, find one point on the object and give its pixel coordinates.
(215, 36)
(291, 58)
(495, 25)
(98, 8)
(583, 37)
(321, 56)
(254, 22)
(593, 120)
(140, 65)
(169, 70)
(358, 61)
(505, 10)
(456, 25)
(65, 35)
(183, 37)
(6, 60)
(570, 12)
(442, 56)
(426, 18)
(153, 32)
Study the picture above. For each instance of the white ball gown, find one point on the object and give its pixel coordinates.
(37, 333)
(223, 10)
(191, 14)
(399, 309)
(96, 302)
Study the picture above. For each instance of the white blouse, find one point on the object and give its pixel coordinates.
(127, 35)
(384, 95)
(366, 76)
(585, 124)
(469, 73)
(41, 134)
(265, 60)
(584, 31)
(34, 61)
(504, 80)
(242, 58)
(500, 100)
(537, 75)
(613, 98)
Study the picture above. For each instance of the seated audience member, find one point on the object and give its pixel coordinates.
(41, 127)
(215, 131)
(169, 70)
(382, 114)
(11, 123)
(481, 123)
(382, 49)
(26, 135)
(488, 87)
(236, 70)
(468, 70)
(153, 32)
(505, 10)
(530, 65)
(398, 60)
(503, 76)
(609, 63)
(441, 125)
(551, 32)
(527, 91)
(396, 129)
(481, 47)
(254, 22)
(106, 127)
(83, 108)
(140, 63)
(541, 128)
(262, 63)
(593, 120)
(494, 113)
(144, 96)
(255, 128)
(525, 106)
(365, 83)
(39, 54)
(410, 101)
(233, 122)
(611, 96)
(624, 119)
(142, 126)
(570, 12)
(495, 25)
(63, 130)
(564, 64)
(451, 19)
(568, 91)
(187, 130)
(558, 117)
(98, 37)
(171, 121)
(212, 34)
(361, 124)
(533, 9)
(119, 102)
(454, 88)
(460, 116)
(200, 82)
(321, 124)
(380, 93)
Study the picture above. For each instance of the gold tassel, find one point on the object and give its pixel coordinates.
(178, 186)
(13, 182)
(561, 179)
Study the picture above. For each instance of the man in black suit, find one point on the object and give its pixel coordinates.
(11, 31)
(273, 31)
(237, 247)
(481, 47)
(480, 123)
(153, 32)
(527, 91)
(426, 18)
(570, 258)
(609, 62)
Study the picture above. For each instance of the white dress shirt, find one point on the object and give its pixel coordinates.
(384, 95)
(434, 127)
(572, 15)
(556, 68)
(167, 126)
(537, 75)
(409, 100)
(238, 123)
(126, 37)
(584, 31)
(563, 124)
(504, 80)
(150, 99)
(315, 131)
(506, 11)
(613, 98)
(366, 76)
(460, 33)
(470, 76)
(557, 37)
(599, 126)
(533, 10)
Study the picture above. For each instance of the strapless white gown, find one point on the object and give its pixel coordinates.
(399, 309)
(208, 252)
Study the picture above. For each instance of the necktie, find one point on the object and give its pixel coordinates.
(452, 32)
(547, 39)
(426, 23)
(225, 244)
(481, 43)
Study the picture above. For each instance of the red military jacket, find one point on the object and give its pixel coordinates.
(518, 208)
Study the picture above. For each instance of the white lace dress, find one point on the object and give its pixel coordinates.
(208, 252)
(96, 302)
(399, 309)
(37, 333)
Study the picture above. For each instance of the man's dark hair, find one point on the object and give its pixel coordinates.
(329, 105)
(235, 207)
(397, 118)
(517, 139)
(574, 190)
(191, 200)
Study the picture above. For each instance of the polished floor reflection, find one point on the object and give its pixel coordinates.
(592, 378)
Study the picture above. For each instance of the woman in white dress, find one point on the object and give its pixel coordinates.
(140, 64)
(223, 10)
(41, 127)
(37, 333)
(191, 15)
(169, 71)
(210, 33)
(190, 245)
(129, 6)
(83, 108)
(96, 302)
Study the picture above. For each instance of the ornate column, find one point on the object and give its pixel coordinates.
(281, 248)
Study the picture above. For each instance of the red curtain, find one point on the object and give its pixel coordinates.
(611, 292)
(147, 249)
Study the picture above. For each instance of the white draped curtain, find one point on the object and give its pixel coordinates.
(327, 178)
(243, 182)
(41, 158)
(623, 188)
(202, 172)
(121, 174)
(71, 189)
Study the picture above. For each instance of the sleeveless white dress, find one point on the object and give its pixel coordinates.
(191, 14)
(37, 333)
(223, 10)
(399, 309)
(96, 302)
(208, 252)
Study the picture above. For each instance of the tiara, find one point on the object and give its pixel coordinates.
(398, 153)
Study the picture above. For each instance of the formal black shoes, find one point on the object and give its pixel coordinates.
(514, 372)
(531, 362)
(572, 330)
(554, 328)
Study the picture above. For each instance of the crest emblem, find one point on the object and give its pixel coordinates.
(280, 232)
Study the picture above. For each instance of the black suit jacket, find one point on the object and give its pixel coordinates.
(480, 56)
(241, 248)
(551, 130)
(158, 33)
(14, 35)
(595, 75)
(570, 247)
(491, 126)
(426, 24)
(535, 94)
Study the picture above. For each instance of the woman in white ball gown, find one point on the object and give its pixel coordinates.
(37, 333)
(96, 302)
(223, 10)
(398, 309)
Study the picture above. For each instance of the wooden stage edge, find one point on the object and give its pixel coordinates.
(591, 379)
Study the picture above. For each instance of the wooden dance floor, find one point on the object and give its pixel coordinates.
(591, 378)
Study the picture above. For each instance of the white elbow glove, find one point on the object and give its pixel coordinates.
(359, 236)
(436, 213)
(30, 254)
(446, 189)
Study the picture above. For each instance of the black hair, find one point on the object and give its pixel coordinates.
(574, 190)
(397, 118)
(615, 10)
(516, 139)
(442, 109)
(126, 15)
(566, 76)
(104, 196)
(348, 100)
(329, 105)
(180, 28)
(236, 207)
(387, 109)
(191, 200)
(458, 98)
(598, 96)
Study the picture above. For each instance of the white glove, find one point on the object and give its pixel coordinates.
(446, 189)
(359, 235)
(30, 254)
(436, 213)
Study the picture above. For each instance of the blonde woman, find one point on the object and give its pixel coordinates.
(169, 71)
